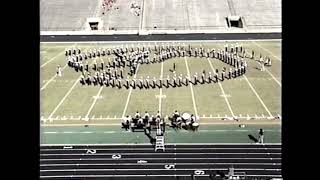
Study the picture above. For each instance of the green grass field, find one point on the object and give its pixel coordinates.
(67, 102)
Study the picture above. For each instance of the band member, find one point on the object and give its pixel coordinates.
(187, 79)
(230, 73)
(209, 77)
(154, 82)
(119, 83)
(82, 80)
(160, 83)
(141, 82)
(195, 77)
(102, 64)
(147, 82)
(95, 65)
(203, 75)
(168, 80)
(174, 80)
(179, 80)
(127, 82)
(59, 71)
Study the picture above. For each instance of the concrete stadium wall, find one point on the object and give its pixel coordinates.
(168, 16)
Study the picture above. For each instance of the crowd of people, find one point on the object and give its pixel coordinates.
(112, 72)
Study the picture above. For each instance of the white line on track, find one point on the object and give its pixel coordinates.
(168, 148)
(255, 92)
(153, 153)
(223, 93)
(186, 169)
(102, 144)
(129, 95)
(155, 158)
(150, 175)
(191, 88)
(93, 103)
(133, 164)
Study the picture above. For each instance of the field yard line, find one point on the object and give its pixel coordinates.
(160, 97)
(191, 88)
(93, 103)
(266, 50)
(51, 59)
(224, 94)
(255, 92)
(65, 96)
(129, 95)
(273, 77)
(44, 86)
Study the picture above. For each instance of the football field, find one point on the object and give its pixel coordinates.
(254, 98)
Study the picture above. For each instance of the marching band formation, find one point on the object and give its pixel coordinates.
(120, 70)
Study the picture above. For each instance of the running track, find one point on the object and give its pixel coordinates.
(257, 161)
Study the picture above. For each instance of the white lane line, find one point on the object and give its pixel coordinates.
(93, 103)
(129, 95)
(151, 175)
(266, 50)
(44, 86)
(182, 148)
(160, 96)
(187, 169)
(102, 144)
(168, 158)
(191, 88)
(51, 59)
(223, 93)
(62, 100)
(133, 164)
(153, 153)
(255, 92)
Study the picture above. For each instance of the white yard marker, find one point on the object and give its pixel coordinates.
(93, 103)
(266, 50)
(160, 95)
(45, 85)
(223, 93)
(51, 59)
(129, 95)
(62, 100)
(191, 88)
(255, 92)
